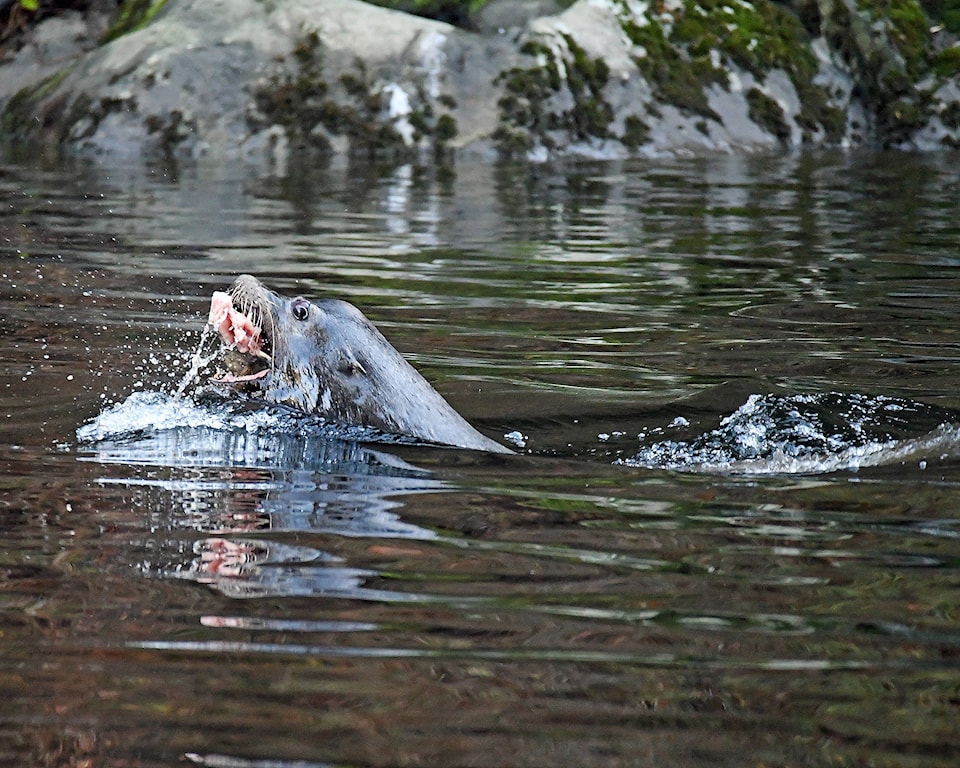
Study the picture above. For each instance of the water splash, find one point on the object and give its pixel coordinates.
(811, 434)
(199, 361)
(209, 409)
(146, 412)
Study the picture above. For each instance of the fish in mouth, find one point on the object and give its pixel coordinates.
(325, 357)
(241, 325)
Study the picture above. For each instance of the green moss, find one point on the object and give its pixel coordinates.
(302, 100)
(768, 36)
(527, 114)
(446, 128)
(297, 100)
(768, 114)
(311, 108)
(680, 61)
(664, 66)
(132, 16)
(523, 112)
(763, 36)
(635, 132)
(945, 12)
(909, 30)
(23, 115)
(817, 113)
(512, 140)
(586, 75)
(758, 37)
(307, 49)
(946, 63)
(887, 44)
(586, 79)
(700, 37)
(951, 19)
(420, 120)
(675, 77)
(897, 121)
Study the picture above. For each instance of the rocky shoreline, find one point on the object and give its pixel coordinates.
(262, 81)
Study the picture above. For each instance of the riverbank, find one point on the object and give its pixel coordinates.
(262, 83)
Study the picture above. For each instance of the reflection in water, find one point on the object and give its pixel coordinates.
(279, 472)
(229, 761)
(333, 486)
(246, 568)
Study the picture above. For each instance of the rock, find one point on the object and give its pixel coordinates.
(55, 44)
(263, 81)
(209, 77)
(503, 16)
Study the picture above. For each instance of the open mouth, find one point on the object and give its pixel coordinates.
(247, 356)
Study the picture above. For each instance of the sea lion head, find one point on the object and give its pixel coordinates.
(325, 357)
(310, 355)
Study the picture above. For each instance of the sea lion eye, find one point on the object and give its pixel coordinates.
(300, 309)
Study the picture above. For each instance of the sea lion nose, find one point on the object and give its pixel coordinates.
(245, 283)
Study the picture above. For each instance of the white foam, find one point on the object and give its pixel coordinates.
(808, 434)
(148, 412)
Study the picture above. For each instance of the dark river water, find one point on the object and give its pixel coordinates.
(730, 535)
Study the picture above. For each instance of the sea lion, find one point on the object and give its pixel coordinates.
(325, 357)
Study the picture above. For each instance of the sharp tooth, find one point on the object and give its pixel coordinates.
(263, 355)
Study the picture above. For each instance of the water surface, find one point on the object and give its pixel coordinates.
(730, 536)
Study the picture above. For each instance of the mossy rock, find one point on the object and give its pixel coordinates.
(635, 132)
(758, 37)
(131, 16)
(768, 114)
(533, 106)
(311, 108)
(950, 116)
(946, 63)
(945, 12)
(910, 33)
(677, 77)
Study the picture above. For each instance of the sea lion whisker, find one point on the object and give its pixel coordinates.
(250, 308)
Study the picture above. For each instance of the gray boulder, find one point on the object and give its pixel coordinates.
(259, 81)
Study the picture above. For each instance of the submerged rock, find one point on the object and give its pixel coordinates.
(259, 81)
